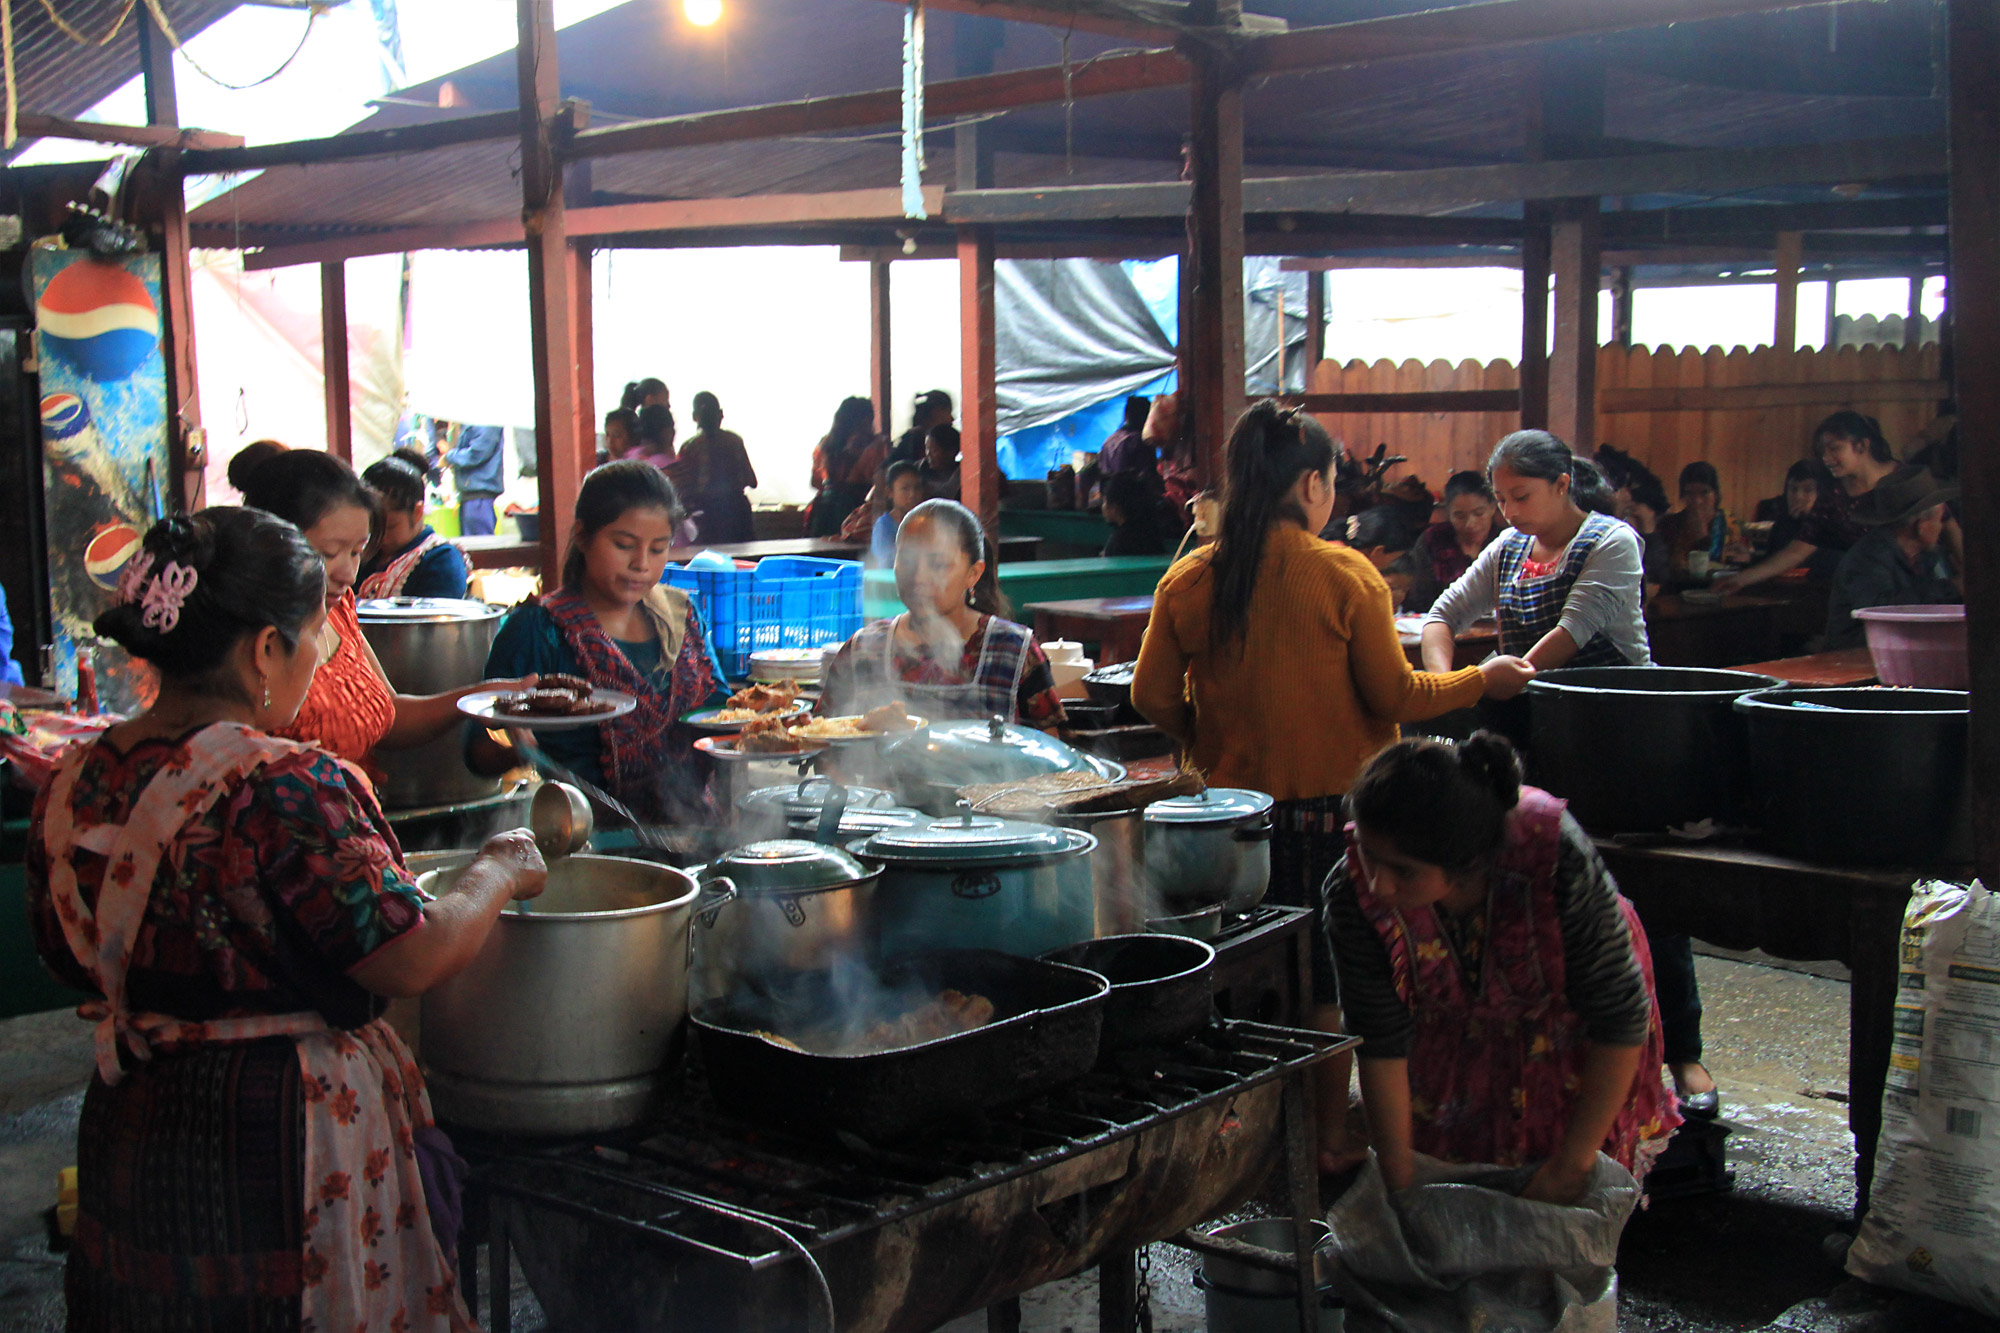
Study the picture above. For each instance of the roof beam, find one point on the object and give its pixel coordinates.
(450, 236)
(34, 125)
(1747, 220)
(486, 125)
(1412, 194)
(1142, 20)
(1430, 32)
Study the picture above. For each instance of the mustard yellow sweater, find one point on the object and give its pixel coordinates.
(1312, 692)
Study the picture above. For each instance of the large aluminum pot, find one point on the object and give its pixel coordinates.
(1117, 868)
(785, 906)
(1211, 848)
(976, 882)
(571, 1014)
(793, 809)
(428, 645)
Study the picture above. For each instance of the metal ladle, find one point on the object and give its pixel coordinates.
(560, 818)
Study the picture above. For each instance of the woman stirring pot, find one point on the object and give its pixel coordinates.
(952, 655)
(239, 906)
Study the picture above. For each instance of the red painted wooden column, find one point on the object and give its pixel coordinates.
(979, 412)
(1212, 320)
(583, 386)
(1974, 295)
(333, 359)
(186, 451)
(552, 281)
(880, 382)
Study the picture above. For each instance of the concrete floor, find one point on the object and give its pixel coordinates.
(1753, 1258)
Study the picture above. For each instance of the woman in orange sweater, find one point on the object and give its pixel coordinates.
(1273, 657)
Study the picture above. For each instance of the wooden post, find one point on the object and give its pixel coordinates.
(584, 381)
(1785, 335)
(1621, 305)
(1535, 271)
(979, 413)
(552, 272)
(880, 385)
(1315, 322)
(187, 454)
(1973, 30)
(1212, 323)
(1832, 305)
(1575, 245)
(333, 360)
(1913, 336)
(975, 40)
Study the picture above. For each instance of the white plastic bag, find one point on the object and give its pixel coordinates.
(1933, 1223)
(1458, 1250)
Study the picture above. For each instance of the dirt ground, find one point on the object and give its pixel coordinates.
(1755, 1257)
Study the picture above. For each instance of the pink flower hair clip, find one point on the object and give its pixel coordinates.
(132, 581)
(166, 594)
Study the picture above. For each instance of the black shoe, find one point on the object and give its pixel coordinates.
(1702, 1105)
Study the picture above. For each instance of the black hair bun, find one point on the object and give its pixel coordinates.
(1491, 760)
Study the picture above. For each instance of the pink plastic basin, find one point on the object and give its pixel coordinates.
(1918, 645)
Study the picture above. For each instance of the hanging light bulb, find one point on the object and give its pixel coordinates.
(702, 13)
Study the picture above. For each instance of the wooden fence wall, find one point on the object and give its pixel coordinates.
(1747, 412)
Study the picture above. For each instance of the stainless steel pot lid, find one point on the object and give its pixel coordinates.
(425, 610)
(963, 838)
(860, 823)
(957, 754)
(788, 865)
(1217, 805)
(809, 797)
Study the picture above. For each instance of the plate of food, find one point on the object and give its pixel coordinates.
(556, 702)
(764, 738)
(752, 703)
(888, 720)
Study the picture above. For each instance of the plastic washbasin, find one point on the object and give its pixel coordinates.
(1922, 646)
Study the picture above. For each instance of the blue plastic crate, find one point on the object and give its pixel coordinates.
(784, 602)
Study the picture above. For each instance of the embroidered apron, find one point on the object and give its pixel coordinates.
(1530, 607)
(1495, 1063)
(993, 691)
(370, 1257)
(389, 580)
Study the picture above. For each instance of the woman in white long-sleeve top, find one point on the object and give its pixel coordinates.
(1567, 581)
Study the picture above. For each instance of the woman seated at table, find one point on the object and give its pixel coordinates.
(1446, 550)
(1273, 658)
(621, 435)
(844, 464)
(1699, 527)
(940, 466)
(1139, 515)
(410, 559)
(1566, 581)
(256, 1143)
(718, 471)
(657, 432)
(952, 654)
(351, 711)
(615, 625)
(1805, 481)
(1901, 561)
(1853, 449)
(1500, 982)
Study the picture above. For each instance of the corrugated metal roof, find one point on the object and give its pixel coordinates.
(58, 77)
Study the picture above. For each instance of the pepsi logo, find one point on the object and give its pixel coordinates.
(63, 416)
(109, 552)
(100, 318)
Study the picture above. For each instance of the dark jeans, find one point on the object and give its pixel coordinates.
(475, 516)
(1680, 996)
(1309, 840)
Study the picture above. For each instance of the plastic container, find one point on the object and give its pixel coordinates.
(1922, 646)
(784, 602)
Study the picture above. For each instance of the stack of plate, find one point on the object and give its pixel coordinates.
(799, 664)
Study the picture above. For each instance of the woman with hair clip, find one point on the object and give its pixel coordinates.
(410, 559)
(351, 711)
(1851, 447)
(1272, 656)
(256, 1149)
(952, 654)
(1568, 582)
(645, 393)
(615, 625)
(1500, 982)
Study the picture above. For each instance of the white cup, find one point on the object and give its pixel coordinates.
(1698, 564)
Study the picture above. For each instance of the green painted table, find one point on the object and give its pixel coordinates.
(1032, 582)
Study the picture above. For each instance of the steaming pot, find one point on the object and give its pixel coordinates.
(793, 809)
(930, 765)
(786, 906)
(428, 645)
(1210, 848)
(977, 882)
(572, 1012)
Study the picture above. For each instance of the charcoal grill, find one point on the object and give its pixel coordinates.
(703, 1221)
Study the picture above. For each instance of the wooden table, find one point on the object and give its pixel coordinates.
(1476, 643)
(1849, 666)
(1741, 899)
(832, 548)
(1114, 624)
(1739, 628)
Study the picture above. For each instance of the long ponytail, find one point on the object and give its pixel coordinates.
(1268, 451)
